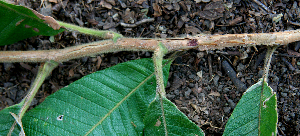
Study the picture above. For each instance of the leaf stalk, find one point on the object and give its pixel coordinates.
(43, 72)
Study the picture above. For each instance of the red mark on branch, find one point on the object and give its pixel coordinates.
(193, 42)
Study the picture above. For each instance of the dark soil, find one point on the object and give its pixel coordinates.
(198, 84)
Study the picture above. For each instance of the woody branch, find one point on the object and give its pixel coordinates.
(202, 42)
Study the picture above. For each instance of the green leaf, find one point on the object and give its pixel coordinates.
(18, 23)
(7, 120)
(176, 122)
(255, 114)
(114, 101)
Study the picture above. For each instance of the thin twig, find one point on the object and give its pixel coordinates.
(262, 5)
(293, 23)
(137, 23)
(202, 42)
(210, 66)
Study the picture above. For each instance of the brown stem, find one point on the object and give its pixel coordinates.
(202, 42)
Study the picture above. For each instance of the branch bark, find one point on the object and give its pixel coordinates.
(202, 42)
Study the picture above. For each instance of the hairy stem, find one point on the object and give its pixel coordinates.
(267, 62)
(101, 34)
(159, 53)
(202, 42)
(43, 72)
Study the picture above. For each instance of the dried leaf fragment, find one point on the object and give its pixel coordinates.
(112, 2)
(277, 18)
(105, 4)
(197, 1)
(215, 94)
(141, 1)
(191, 29)
(213, 11)
(235, 21)
(157, 10)
(47, 19)
(54, 1)
(128, 16)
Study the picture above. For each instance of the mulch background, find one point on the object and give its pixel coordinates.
(197, 84)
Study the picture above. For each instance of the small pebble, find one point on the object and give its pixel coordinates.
(197, 78)
(12, 93)
(260, 73)
(205, 1)
(196, 118)
(292, 114)
(7, 84)
(226, 109)
(231, 103)
(191, 85)
(84, 59)
(187, 93)
(275, 79)
(240, 67)
(20, 93)
(225, 90)
(8, 66)
(286, 118)
(46, 11)
(79, 21)
(178, 102)
(216, 80)
(147, 54)
(207, 88)
(114, 60)
(192, 76)
(152, 27)
(9, 102)
(170, 96)
(201, 94)
(286, 90)
(168, 84)
(206, 112)
(283, 70)
(283, 94)
(220, 88)
(74, 34)
(201, 97)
